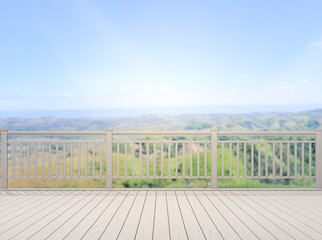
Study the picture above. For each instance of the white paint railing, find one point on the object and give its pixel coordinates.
(31, 155)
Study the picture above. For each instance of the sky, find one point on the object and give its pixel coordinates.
(94, 54)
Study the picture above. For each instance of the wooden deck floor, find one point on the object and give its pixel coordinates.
(224, 214)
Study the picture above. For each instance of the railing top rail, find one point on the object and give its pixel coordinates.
(162, 133)
(266, 133)
(56, 133)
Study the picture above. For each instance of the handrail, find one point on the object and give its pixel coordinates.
(161, 133)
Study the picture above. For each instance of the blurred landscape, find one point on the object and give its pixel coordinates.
(278, 121)
(274, 121)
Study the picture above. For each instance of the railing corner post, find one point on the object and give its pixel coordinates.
(318, 155)
(4, 158)
(109, 158)
(214, 141)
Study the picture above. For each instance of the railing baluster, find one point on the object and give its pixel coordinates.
(64, 152)
(190, 159)
(230, 159)
(57, 161)
(4, 158)
(140, 159)
(125, 159)
(205, 159)
(237, 159)
(79, 159)
(71, 159)
(245, 159)
(161, 159)
(252, 159)
(93, 159)
(118, 158)
(28, 159)
(214, 160)
(86, 159)
(176, 146)
(147, 159)
(42, 159)
(183, 159)
(49, 159)
(198, 159)
(101, 159)
(318, 158)
(222, 159)
(169, 160)
(36, 160)
(154, 159)
(274, 159)
(281, 159)
(133, 159)
(295, 159)
(288, 159)
(303, 159)
(13, 159)
(266, 159)
(259, 160)
(310, 159)
(21, 159)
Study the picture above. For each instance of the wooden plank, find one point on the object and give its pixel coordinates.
(299, 205)
(146, 223)
(190, 221)
(49, 222)
(114, 227)
(10, 204)
(176, 226)
(12, 212)
(270, 226)
(100, 224)
(267, 213)
(74, 220)
(311, 233)
(161, 224)
(224, 227)
(20, 229)
(86, 223)
(296, 212)
(227, 222)
(208, 227)
(131, 223)
(254, 226)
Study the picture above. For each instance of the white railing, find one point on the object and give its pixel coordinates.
(200, 155)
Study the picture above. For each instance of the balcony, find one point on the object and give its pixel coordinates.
(212, 212)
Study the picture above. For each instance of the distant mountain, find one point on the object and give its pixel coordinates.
(307, 120)
(174, 111)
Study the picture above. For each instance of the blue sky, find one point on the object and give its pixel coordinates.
(124, 54)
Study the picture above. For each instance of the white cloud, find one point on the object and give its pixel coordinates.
(305, 80)
(316, 44)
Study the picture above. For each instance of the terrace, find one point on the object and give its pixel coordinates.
(186, 159)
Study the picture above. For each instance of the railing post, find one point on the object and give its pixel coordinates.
(214, 141)
(318, 157)
(109, 158)
(4, 158)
